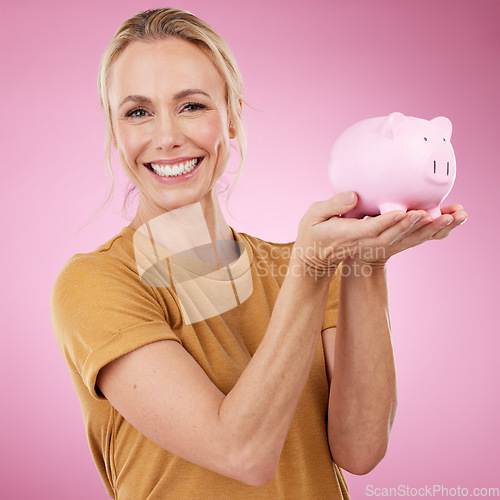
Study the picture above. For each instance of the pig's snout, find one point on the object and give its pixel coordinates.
(441, 169)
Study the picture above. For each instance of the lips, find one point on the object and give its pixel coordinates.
(177, 168)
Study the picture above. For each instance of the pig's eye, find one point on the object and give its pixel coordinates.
(444, 139)
(425, 139)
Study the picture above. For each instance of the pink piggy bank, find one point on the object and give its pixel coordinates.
(395, 162)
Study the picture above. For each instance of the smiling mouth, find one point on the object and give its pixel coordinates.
(175, 170)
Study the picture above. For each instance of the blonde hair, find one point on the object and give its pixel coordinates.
(159, 24)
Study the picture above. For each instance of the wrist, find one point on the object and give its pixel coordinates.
(303, 266)
(352, 266)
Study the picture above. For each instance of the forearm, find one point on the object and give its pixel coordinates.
(363, 387)
(259, 410)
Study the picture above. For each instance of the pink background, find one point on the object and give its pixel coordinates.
(311, 69)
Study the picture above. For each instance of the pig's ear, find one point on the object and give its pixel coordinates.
(444, 124)
(391, 123)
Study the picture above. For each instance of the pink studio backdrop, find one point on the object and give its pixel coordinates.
(311, 69)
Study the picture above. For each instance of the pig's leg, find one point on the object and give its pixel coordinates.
(353, 214)
(389, 206)
(434, 212)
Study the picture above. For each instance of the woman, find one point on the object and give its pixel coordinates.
(209, 363)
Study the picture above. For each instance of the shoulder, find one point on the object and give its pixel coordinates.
(99, 294)
(114, 256)
(103, 275)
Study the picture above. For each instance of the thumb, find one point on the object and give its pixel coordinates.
(336, 205)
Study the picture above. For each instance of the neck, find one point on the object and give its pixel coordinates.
(214, 218)
(192, 229)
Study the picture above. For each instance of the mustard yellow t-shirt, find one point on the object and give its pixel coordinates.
(107, 303)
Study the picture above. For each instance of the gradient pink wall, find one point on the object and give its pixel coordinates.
(311, 69)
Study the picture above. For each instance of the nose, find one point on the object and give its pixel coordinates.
(441, 167)
(168, 133)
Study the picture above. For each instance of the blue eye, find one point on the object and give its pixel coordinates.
(136, 113)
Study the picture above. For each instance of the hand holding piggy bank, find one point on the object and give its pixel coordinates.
(395, 162)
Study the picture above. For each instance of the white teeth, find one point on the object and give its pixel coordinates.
(174, 170)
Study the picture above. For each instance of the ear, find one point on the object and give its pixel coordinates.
(444, 124)
(232, 129)
(391, 123)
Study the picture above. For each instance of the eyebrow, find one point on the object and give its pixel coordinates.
(179, 95)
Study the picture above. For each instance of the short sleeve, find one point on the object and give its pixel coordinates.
(101, 311)
(332, 305)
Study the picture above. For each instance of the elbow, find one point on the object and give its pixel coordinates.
(256, 474)
(361, 463)
(365, 453)
(360, 468)
(259, 477)
(253, 468)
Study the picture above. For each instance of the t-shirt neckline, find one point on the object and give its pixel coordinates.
(234, 270)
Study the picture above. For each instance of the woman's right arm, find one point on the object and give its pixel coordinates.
(164, 393)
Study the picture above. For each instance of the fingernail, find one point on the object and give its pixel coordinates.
(349, 198)
(399, 217)
(415, 218)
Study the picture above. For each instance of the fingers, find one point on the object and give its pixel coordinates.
(393, 231)
(425, 228)
(334, 206)
(391, 227)
(450, 209)
(458, 218)
(406, 229)
(428, 229)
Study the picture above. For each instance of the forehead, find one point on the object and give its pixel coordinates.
(159, 68)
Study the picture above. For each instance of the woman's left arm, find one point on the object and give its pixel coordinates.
(358, 352)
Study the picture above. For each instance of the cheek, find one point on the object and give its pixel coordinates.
(128, 142)
(213, 134)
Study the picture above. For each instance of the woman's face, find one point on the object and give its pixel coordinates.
(170, 123)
